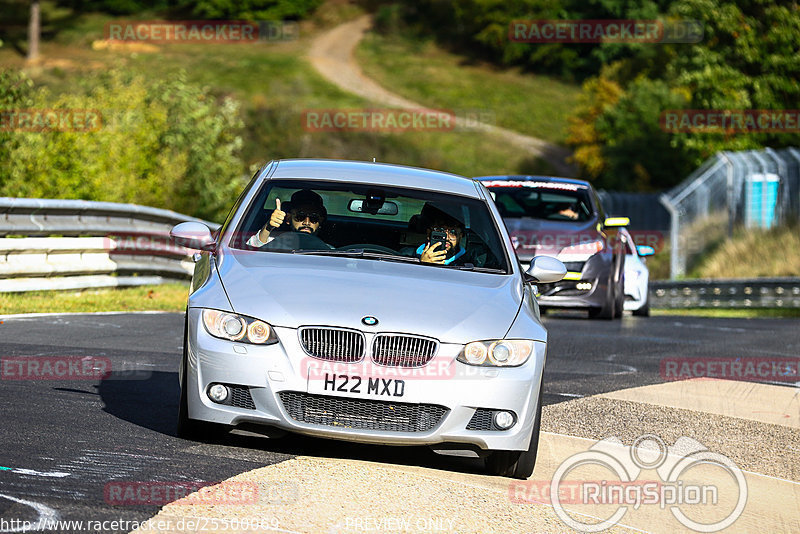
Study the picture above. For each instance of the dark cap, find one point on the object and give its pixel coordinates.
(432, 215)
(306, 197)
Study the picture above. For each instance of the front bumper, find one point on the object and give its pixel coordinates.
(635, 300)
(584, 286)
(276, 376)
(565, 294)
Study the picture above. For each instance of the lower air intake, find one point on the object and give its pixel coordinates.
(361, 413)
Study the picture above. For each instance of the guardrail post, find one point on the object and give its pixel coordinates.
(674, 238)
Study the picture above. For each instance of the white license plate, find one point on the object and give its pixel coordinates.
(357, 385)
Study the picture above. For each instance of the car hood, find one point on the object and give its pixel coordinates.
(295, 290)
(534, 237)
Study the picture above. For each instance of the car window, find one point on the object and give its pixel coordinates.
(395, 223)
(542, 203)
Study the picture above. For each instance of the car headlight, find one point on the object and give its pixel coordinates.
(235, 327)
(497, 353)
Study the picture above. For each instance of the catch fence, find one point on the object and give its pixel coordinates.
(750, 189)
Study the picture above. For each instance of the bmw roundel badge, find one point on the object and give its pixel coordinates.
(369, 320)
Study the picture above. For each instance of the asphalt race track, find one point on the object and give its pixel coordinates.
(63, 441)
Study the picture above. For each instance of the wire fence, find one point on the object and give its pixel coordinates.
(751, 189)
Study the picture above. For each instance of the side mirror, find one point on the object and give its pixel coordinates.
(645, 250)
(193, 235)
(546, 269)
(612, 222)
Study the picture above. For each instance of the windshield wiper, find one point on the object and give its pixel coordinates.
(471, 267)
(332, 252)
(358, 253)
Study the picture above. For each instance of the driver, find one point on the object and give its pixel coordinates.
(570, 212)
(306, 214)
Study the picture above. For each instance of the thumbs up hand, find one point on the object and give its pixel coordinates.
(277, 217)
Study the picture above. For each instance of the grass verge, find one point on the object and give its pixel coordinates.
(731, 313)
(750, 253)
(753, 254)
(166, 297)
(421, 71)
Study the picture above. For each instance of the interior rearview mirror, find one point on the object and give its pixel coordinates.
(358, 206)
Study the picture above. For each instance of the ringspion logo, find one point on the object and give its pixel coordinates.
(688, 481)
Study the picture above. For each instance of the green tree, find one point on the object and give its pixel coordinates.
(748, 59)
(598, 95)
(165, 144)
(254, 9)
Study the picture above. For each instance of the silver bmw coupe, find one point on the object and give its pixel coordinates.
(366, 302)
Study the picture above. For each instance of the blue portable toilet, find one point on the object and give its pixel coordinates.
(761, 197)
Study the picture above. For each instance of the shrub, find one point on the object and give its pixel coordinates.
(166, 144)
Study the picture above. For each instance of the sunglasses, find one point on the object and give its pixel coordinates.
(300, 216)
(455, 232)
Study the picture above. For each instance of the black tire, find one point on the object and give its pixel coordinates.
(609, 306)
(619, 301)
(187, 428)
(517, 464)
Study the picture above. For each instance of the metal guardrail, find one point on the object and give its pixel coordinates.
(706, 293)
(105, 244)
(98, 244)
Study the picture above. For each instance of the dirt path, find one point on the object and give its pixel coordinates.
(332, 55)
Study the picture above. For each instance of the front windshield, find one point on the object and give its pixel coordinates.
(372, 222)
(550, 201)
